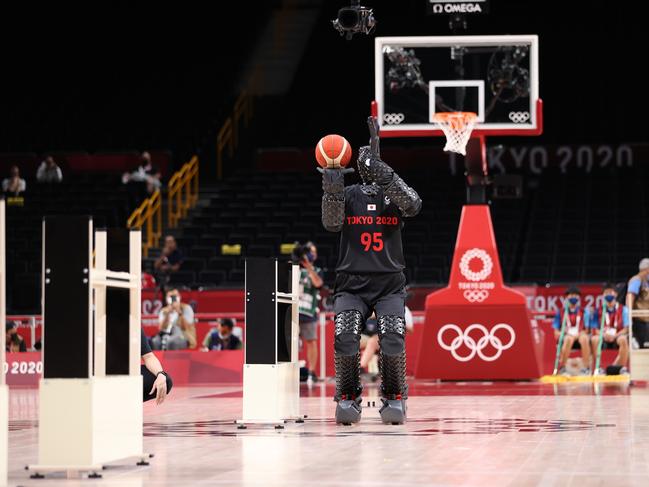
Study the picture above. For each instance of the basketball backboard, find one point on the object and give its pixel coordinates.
(494, 76)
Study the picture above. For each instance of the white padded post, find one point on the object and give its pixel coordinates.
(99, 304)
(102, 278)
(271, 392)
(99, 418)
(3, 268)
(638, 358)
(135, 270)
(4, 391)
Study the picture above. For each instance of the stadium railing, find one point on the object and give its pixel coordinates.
(228, 135)
(148, 217)
(182, 192)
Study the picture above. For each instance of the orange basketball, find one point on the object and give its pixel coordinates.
(333, 151)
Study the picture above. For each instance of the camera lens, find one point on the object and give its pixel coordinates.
(348, 18)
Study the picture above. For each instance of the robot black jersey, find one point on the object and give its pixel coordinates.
(370, 240)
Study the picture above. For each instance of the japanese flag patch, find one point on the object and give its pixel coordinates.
(371, 207)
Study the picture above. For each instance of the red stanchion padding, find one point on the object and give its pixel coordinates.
(476, 327)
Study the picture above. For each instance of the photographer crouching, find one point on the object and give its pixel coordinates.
(310, 283)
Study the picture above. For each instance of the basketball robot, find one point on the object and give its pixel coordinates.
(369, 273)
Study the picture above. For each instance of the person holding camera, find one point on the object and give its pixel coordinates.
(15, 343)
(177, 329)
(310, 283)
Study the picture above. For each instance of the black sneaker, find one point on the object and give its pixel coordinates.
(313, 377)
(304, 374)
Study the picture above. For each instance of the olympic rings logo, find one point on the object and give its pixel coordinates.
(393, 118)
(475, 295)
(519, 117)
(487, 338)
(483, 256)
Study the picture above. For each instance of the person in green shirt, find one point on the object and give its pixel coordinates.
(310, 284)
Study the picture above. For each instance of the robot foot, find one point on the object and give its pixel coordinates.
(348, 411)
(393, 411)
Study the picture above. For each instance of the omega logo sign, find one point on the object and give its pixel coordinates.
(457, 8)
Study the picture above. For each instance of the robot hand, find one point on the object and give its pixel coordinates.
(375, 140)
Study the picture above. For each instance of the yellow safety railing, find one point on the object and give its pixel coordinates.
(182, 192)
(228, 135)
(148, 217)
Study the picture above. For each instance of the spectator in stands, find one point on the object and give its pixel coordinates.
(14, 343)
(144, 181)
(637, 298)
(177, 329)
(222, 338)
(14, 184)
(49, 171)
(575, 322)
(156, 383)
(169, 262)
(146, 173)
(613, 319)
(148, 281)
(152, 174)
(310, 283)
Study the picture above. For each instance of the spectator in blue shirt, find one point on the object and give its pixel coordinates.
(613, 319)
(222, 338)
(637, 298)
(575, 321)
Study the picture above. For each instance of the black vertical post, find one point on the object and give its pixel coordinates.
(117, 304)
(261, 306)
(476, 175)
(66, 317)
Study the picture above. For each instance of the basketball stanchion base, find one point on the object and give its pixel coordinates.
(560, 379)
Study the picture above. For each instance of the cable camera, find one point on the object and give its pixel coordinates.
(354, 19)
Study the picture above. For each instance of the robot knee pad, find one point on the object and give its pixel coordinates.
(347, 357)
(392, 334)
(392, 331)
(348, 332)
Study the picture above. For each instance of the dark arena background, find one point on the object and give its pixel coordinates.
(163, 211)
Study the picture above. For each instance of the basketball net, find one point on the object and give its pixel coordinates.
(457, 127)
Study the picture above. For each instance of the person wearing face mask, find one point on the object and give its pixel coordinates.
(575, 322)
(177, 329)
(613, 319)
(637, 297)
(310, 284)
(222, 338)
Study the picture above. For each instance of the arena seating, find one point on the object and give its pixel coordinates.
(99, 195)
(563, 230)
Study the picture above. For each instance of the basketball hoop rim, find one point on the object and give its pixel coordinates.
(465, 117)
(477, 131)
